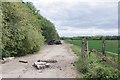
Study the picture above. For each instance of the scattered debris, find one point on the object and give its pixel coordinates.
(48, 61)
(42, 64)
(60, 69)
(7, 59)
(23, 61)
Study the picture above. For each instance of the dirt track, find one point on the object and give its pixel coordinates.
(62, 69)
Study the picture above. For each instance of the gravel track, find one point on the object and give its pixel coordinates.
(62, 69)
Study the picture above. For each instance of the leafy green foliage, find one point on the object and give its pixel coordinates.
(48, 28)
(22, 29)
(49, 31)
(82, 65)
(0, 29)
(102, 72)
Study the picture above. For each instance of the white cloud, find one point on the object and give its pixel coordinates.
(87, 32)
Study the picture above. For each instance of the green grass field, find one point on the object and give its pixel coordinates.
(92, 67)
(111, 45)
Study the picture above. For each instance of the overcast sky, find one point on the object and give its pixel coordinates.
(81, 17)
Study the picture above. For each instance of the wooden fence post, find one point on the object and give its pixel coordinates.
(84, 49)
(103, 46)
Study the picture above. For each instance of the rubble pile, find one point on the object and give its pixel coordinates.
(42, 64)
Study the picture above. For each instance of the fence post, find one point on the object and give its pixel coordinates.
(84, 49)
(103, 46)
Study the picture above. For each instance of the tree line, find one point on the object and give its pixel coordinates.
(91, 38)
(24, 29)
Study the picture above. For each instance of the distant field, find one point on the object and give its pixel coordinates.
(111, 45)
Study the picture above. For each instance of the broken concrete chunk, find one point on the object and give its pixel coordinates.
(38, 66)
(42, 66)
(47, 65)
(40, 63)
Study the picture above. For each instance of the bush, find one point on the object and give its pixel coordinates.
(102, 72)
(83, 65)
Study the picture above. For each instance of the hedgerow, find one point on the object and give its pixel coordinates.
(22, 29)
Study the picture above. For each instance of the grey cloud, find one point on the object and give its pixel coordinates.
(99, 18)
(81, 15)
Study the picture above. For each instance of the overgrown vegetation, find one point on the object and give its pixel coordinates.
(91, 67)
(0, 30)
(48, 29)
(24, 30)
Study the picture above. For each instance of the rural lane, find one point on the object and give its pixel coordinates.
(62, 69)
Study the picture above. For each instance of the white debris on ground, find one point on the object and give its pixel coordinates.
(7, 59)
(42, 64)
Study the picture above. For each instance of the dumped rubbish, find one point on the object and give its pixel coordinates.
(7, 59)
(23, 61)
(42, 64)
